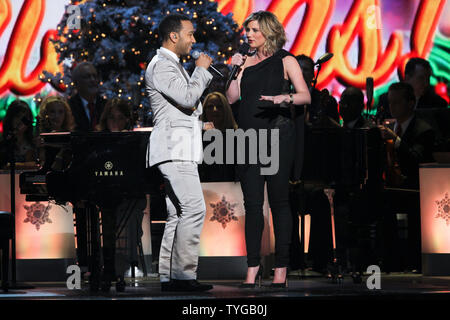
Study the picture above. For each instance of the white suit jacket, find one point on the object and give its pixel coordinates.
(177, 132)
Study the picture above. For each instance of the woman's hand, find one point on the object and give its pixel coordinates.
(276, 99)
(238, 59)
(208, 125)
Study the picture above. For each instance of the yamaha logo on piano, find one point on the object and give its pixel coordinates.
(108, 165)
(109, 172)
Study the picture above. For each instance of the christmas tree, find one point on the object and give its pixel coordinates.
(121, 36)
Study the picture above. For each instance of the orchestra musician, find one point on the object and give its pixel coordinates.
(409, 143)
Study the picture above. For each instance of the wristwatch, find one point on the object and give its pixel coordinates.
(291, 101)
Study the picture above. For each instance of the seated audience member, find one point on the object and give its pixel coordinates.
(87, 104)
(18, 136)
(417, 74)
(408, 144)
(351, 107)
(217, 110)
(55, 115)
(117, 116)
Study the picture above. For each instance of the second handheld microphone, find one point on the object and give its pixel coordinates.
(196, 54)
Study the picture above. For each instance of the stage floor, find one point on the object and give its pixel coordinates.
(394, 285)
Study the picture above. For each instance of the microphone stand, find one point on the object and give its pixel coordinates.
(324, 58)
(317, 74)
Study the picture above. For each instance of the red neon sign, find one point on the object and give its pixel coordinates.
(374, 61)
(12, 71)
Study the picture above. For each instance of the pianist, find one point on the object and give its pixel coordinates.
(117, 116)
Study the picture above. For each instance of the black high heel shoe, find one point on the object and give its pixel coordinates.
(281, 285)
(253, 285)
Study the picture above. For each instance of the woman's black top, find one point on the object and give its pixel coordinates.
(265, 78)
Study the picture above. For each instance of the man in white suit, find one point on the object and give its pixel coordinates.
(175, 147)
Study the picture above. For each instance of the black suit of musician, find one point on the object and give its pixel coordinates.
(413, 141)
(79, 106)
(87, 105)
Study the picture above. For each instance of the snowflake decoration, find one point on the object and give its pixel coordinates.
(37, 214)
(223, 212)
(444, 209)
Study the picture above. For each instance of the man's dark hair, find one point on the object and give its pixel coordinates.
(171, 23)
(354, 97)
(406, 89)
(410, 67)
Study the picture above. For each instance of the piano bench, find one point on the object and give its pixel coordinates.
(6, 233)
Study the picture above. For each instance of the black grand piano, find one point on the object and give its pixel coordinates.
(104, 167)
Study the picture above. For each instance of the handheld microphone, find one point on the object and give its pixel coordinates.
(243, 49)
(196, 54)
(324, 58)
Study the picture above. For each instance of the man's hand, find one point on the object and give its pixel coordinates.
(387, 133)
(203, 61)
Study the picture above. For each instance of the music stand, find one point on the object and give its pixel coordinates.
(11, 146)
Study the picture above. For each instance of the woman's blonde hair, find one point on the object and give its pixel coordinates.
(271, 29)
(44, 124)
(228, 119)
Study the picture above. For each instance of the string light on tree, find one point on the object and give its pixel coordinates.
(121, 36)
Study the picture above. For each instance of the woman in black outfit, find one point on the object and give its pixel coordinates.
(263, 85)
